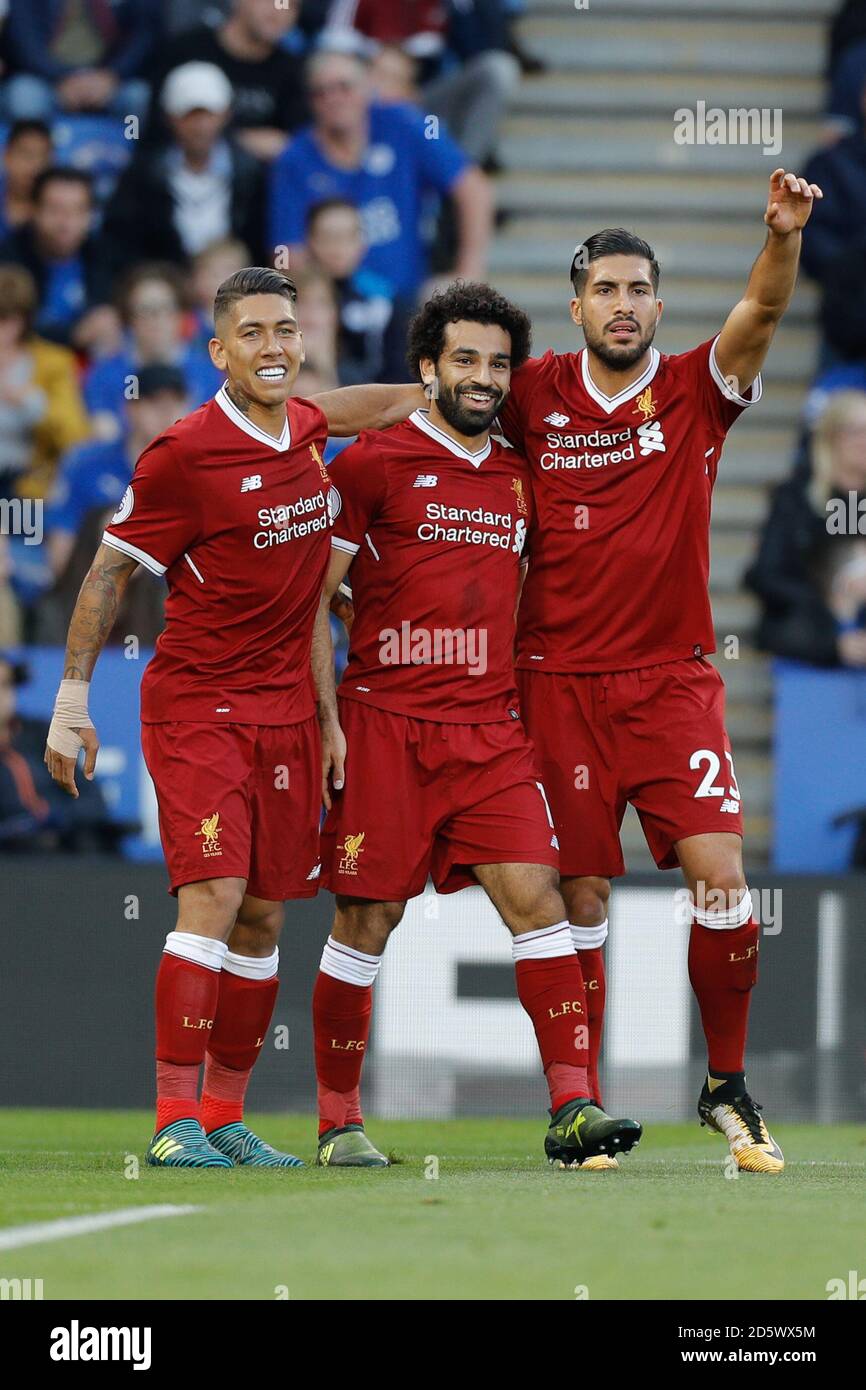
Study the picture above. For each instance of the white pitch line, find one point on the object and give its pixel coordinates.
(38, 1232)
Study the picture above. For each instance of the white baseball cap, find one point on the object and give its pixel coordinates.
(196, 87)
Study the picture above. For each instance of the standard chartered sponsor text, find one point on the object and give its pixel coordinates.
(501, 529)
(616, 446)
(283, 521)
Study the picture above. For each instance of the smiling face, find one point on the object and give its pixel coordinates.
(618, 310)
(260, 347)
(472, 375)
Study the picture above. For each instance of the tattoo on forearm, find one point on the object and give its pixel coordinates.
(95, 612)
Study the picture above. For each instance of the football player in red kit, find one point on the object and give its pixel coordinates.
(440, 777)
(615, 625)
(230, 504)
(615, 620)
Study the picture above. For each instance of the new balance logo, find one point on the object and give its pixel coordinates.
(557, 419)
(252, 483)
(426, 480)
(732, 806)
(651, 438)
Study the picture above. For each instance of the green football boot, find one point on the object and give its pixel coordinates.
(348, 1147)
(247, 1150)
(184, 1144)
(580, 1130)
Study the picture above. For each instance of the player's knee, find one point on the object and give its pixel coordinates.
(215, 901)
(548, 908)
(725, 882)
(586, 900)
(535, 903)
(257, 929)
(366, 926)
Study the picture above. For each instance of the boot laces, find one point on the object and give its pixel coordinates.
(748, 1113)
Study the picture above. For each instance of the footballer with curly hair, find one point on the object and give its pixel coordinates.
(433, 773)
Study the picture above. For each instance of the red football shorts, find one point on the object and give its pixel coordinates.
(425, 799)
(654, 737)
(239, 801)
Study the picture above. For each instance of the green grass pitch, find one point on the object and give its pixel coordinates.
(497, 1223)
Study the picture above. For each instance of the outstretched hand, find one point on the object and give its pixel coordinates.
(790, 203)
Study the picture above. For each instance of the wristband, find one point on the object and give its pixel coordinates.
(70, 713)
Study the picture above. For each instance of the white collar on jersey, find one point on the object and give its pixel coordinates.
(228, 407)
(420, 419)
(612, 403)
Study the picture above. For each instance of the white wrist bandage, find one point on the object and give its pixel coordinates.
(70, 713)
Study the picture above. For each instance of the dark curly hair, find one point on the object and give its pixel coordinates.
(474, 303)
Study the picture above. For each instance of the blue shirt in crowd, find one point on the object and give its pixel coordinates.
(106, 383)
(63, 297)
(93, 474)
(399, 167)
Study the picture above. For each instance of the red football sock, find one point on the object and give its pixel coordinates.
(550, 988)
(177, 1093)
(186, 998)
(592, 969)
(222, 1097)
(341, 1025)
(723, 968)
(244, 1010)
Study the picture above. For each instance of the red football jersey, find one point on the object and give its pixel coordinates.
(238, 523)
(437, 534)
(619, 556)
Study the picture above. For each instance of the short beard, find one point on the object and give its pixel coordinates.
(618, 359)
(460, 419)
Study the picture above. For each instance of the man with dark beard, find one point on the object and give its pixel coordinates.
(615, 623)
(440, 777)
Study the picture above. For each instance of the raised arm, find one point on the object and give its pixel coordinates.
(745, 339)
(322, 662)
(473, 203)
(92, 620)
(351, 409)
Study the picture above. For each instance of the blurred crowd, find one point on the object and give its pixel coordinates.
(152, 147)
(149, 148)
(810, 570)
(35, 814)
